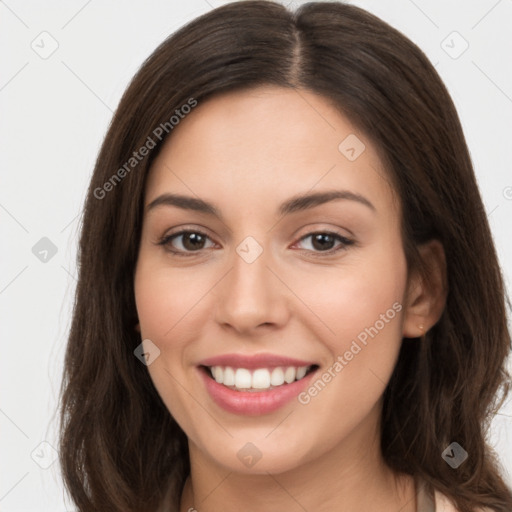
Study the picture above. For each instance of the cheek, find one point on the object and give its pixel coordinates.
(165, 300)
(362, 307)
(353, 297)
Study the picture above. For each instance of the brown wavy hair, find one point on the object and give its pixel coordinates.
(120, 449)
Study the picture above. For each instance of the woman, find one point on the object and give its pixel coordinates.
(289, 297)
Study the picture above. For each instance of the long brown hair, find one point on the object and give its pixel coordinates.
(120, 447)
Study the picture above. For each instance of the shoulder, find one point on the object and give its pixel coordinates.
(443, 504)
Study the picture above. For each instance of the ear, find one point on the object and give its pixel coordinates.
(426, 299)
(137, 327)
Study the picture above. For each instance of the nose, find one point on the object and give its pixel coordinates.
(252, 297)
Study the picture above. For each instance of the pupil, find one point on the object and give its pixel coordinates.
(196, 240)
(321, 239)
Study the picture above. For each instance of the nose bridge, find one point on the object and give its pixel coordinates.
(250, 295)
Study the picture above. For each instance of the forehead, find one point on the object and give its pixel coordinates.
(267, 143)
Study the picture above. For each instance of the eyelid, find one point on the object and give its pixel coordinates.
(193, 228)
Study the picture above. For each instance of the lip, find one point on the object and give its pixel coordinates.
(255, 403)
(250, 362)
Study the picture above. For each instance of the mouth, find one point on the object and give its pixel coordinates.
(257, 380)
(257, 390)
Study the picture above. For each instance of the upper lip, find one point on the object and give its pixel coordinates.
(254, 361)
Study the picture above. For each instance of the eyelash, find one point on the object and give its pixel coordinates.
(345, 242)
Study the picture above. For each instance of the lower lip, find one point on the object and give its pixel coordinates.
(253, 403)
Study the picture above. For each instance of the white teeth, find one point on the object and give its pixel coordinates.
(218, 374)
(229, 376)
(300, 372)
(242, 378)
(289, 374)
(277, 377)
(261, 378)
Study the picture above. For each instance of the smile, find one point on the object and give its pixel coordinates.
(255, 384)
(258, 379)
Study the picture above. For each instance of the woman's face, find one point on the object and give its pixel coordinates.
(270, 286)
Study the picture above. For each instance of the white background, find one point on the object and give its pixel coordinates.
(54, 114)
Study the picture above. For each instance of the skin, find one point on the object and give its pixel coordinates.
(247, 152)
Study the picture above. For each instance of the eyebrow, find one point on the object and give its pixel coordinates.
(295, 204)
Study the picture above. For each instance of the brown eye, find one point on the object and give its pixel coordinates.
(323, 242)
(187, 242)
